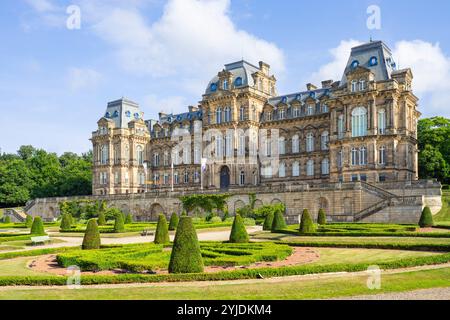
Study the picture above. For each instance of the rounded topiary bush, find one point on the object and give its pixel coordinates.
(322, 218)
(173, 224)
(101, 219)
(426, 219)
(7, 219)
(278, 222)
(238, 232)
(216, 220)
(37, 228)
(186, 256)
(162, 232)
(66, 222)
(91, 238)
(268, 220)
(118, 223)
(28, 221)
(129, 219)
(307, 224)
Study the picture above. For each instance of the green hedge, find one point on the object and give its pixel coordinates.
(367, 234)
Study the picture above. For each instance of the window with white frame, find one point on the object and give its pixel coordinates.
(166, 158)
(354, 156)
(295, 169)
(382, 155)
(175, 178)
(156, 159)
(140, 155)
(241, 145)
(381, 121)
(310, 168)
(187, 155)
(116, 178)
(197, 155)
(268, 115)
(324, 108)
(340, 159)
(267, 170)
(281, 113)
(196, 177)
(268, 147)
(359, 122)
(354, 85)
(295, 144)
(325, 166)
(242, 113)
(282, 145)
(116, 154)
(282, 170)
(242, 178)
(363, 156)
(229, 145)
(310, 110)
(104, 154)
(341, 126)
(186, 177)
(225, 84)
(309, 142)
(227, 114)
(166, 178)
(219, 146)
(142, 178)
(219, 115)
(324, 138)
(362, 85)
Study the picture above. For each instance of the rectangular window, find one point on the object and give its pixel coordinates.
(355, 178)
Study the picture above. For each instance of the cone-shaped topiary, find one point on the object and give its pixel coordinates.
(162, 232)
(91, 238)
(101, 219)
(37, 228)
(268, 220)
(28, 221)
(278, 222)
(238, 232)
(72, 220)
(322, 218)
(186, 256)
(306, 223)
(66, 222)
(129, 219)
(118, 223)
(7, 219)
(173, 224)
(426, 219)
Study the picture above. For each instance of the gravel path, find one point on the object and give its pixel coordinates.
(424, 294)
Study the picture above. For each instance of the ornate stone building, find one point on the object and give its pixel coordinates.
(360, 128)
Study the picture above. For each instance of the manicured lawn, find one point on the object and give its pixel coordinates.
(444, 214)
(17, 266)
(284, 288)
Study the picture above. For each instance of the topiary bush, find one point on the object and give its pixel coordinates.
(91, 238)
(162, 232)
(306, 223)
(6, 219)
(426, 219)
(278, 222)
(268, 221)
(101, 220)
(215, 220)
(28, 221)
(129, 219)
(186, 256)
(37, 228)
(173, 224)
(118, 223)
(238, 232)
(66, 222)
(322, 218)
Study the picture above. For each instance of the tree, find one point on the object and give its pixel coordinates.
(118, 223)
(129, 219)
(268, 221)
(37, 228)
(101, 221)
(321, 218)
(186, 256)
(278, 222)
(91, 238)
(238, 232)
(28, 221)
(66, 222)
(432, 164)
(173, 224)
(426, 218)
(307, 223)
(162, 232)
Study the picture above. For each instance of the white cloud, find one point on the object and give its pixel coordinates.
(172, 104)
(429, 64)
(42, 5)
(82, 78)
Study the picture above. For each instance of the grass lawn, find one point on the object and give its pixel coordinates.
(444, 214)
(17, 266)
(281, 288)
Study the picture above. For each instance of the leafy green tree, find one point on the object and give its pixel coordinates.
(26, 152)
(426, 219)
(37, 228)
(321, 218)
(91, 238)
(173, 224)
(162, 232)
(278, 222)
(238, 232)
(432, 164)
(306, 223)
(268, 221)
(186, 256)
(66, 222)
(15, 183)
(118, 224)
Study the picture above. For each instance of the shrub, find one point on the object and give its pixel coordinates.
(215, 220)
(66, 222)
(129, 219)
(91, 238)
(28, 221)
(197, 220)
(238, 232)
(426, 219)
(118, 223)
(101, 220)
(186, 256)
(6, 219)
(249, 221)
(306, 223)
(162, 232)
(278, 221)
(322, 218)
(37, 228)
(226, 215)
(267, 225)
(173, 224)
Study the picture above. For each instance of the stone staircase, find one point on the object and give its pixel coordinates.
(17, 214)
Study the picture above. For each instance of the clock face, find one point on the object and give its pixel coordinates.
(213, 87)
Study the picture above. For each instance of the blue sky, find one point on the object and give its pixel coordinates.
(55, 82)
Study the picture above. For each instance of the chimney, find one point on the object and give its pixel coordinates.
(310, 87)
(326, 84)
(264, 67)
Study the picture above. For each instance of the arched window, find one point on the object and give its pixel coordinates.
(363, 156)
(282, 170)
(242, 178)
(219, 146)
(362, 85)
(354, 157)
(242, 113)
(140, 155)
(309, 142)
(227, 114)
(341, 126)
(229, 145)
(310, 168)
(324, 138)
(354, 85)
(186, 177)
(104, 154)
(295, 144)
(382, 155)
(382, 121)
(219, 115)
(325, 166)
(359, 122)
(282, 145)
(241, 144)
(295, 169)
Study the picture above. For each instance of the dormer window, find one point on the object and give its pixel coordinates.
(213, 87)
(295, 112)
(128, 114)
(238, 82)
(268, 116)
(310, 110)
(225, 85)
(107, 115)
(115, 114)
(281, 114)
(355, 64)
(354, 86)
(362, 85)
(373, 61)
(136, 115)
